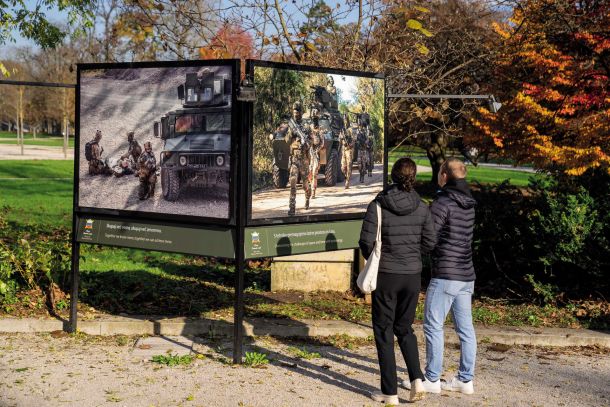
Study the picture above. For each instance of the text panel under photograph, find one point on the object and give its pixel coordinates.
(203, 241)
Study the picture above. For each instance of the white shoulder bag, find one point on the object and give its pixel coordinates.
(367, 279)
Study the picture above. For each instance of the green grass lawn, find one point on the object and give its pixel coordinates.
(41, 139)
(483, 175)
(115, 280)
(37, 199)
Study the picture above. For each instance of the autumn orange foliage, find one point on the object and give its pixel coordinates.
(231, 41)
(554, 81)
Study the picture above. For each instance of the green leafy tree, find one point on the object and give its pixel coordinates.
(32, 23)
(16, 17)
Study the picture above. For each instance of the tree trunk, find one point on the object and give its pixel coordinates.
(20, 118)
(436, 154)
(65, 123)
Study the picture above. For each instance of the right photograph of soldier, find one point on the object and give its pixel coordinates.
(317, 143)
(161, 136)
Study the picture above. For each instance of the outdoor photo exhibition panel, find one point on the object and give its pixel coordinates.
(183, 157)
(155, 140)
(317, 157)
(156, 162)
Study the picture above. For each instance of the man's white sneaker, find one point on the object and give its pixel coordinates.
(429, 387)
(384, 398)
(417, 390)
(456, 385)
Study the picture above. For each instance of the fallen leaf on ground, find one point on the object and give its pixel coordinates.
(498, 347)
(58, 334)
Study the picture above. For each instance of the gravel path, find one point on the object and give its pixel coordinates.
(134, 105)
(60, 370)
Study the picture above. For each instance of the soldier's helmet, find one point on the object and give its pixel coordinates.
(147, 145)
(130, 135)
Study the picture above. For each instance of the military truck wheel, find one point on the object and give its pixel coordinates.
(332, 169)
(170, 184)
(280, 177)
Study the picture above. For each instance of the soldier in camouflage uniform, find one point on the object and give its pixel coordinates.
(298, 163)
(96, 164)
(363, 154)
(364, 122)
(316, 144)
(147, 168)
(370, 147)
(134, 149)
(347, 139)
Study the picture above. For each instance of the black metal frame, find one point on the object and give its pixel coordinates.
(234, 65)
(250, 66)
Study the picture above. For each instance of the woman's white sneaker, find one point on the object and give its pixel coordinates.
(429, 387)
(384, 398)
(456, 385)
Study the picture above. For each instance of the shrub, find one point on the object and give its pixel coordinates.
(545, 242)
(32, 260)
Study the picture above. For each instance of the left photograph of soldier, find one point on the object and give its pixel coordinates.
(156, 140)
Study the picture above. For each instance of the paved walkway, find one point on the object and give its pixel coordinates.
(64, 370)
(13, 152)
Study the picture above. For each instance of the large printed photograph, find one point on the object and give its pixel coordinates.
(318, 143)
(156, 140)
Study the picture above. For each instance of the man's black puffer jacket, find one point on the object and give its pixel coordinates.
(406, 230)
(453, 214)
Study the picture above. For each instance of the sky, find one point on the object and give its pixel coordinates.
(347, 87)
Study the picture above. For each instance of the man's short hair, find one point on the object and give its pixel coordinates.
(454, 168)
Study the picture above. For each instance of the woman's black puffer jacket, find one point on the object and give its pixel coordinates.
(407, 230)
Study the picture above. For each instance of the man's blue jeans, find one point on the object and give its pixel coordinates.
(441, 297)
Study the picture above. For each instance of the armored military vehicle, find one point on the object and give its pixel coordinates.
(331, 124)
(197, 138)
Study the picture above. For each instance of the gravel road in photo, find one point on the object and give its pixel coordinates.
(273, 202)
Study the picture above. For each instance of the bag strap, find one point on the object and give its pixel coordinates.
(378, 222)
